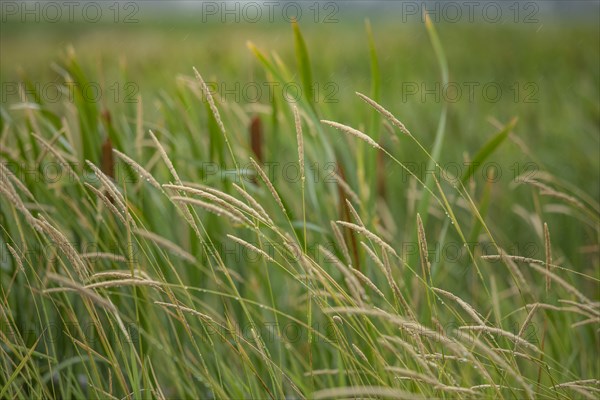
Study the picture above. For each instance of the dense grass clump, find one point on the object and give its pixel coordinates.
(213, 250)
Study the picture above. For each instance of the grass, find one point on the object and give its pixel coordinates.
(153, 250)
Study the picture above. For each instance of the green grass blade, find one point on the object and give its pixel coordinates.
(20, 367)
(488, 148)
(303, 64)
(441, 129)
(375, 80)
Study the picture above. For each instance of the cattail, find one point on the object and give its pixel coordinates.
(256, 138)
(106, 117)
(345, 215)
(108, 162)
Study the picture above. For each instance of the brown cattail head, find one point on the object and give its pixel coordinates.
(106, 118)
(345, 216)
(107, 165)
(256, 138)
(108, 161)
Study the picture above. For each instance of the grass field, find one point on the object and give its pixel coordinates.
(368, 208)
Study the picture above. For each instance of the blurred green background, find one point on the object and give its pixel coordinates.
(543, 57)
(558, 57)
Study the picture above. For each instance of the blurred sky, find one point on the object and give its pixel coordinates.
(404, 10)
